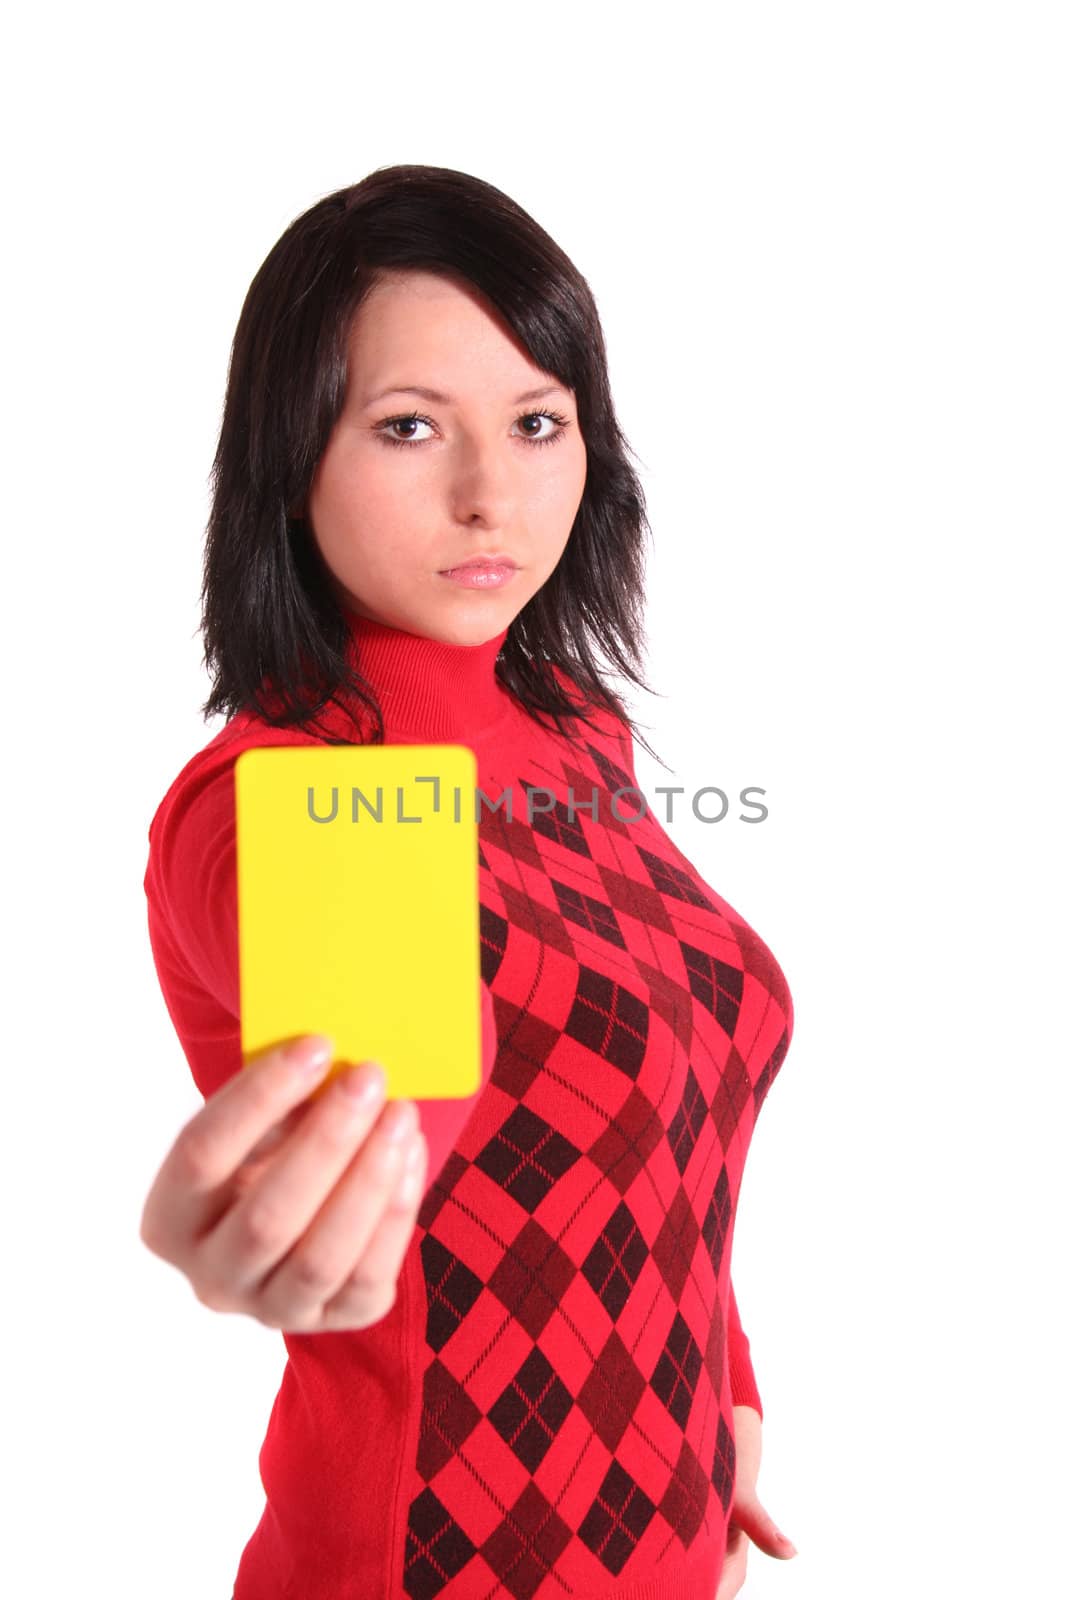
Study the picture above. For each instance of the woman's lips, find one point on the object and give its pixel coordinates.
(481, 574)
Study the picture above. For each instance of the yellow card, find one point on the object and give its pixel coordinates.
(357, 907)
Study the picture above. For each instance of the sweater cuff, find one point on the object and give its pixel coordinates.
(743, 1390)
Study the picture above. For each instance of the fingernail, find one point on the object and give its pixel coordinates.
(398, 1120)
(417, 1154)
(411, 1184)
(310, 1056)
(365, 1083)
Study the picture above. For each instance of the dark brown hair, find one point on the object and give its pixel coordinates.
(269, 614)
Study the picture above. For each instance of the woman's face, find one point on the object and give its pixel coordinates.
(487, 472)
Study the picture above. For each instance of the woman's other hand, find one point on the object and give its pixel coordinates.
(748, 1520)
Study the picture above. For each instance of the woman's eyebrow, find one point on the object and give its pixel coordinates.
(440, 399)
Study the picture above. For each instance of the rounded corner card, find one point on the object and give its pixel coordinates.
(357, 907)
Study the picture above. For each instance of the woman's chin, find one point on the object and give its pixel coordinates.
(469, 617)
(451, 614)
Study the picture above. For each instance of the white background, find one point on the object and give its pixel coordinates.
(827, 242)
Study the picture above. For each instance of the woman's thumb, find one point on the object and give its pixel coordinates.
(748, 1514)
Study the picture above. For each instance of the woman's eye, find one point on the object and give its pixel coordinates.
(542, 436)
(402, 422)
(538, 418)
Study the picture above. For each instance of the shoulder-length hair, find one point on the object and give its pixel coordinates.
(269, 613)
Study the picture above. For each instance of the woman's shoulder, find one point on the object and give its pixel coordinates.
(206, 777)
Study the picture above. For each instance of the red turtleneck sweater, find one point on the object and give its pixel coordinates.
(547, 1410)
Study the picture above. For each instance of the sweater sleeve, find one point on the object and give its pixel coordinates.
(743, 1388)
(191, 884)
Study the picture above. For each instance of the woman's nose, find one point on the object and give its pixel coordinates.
(483, 484)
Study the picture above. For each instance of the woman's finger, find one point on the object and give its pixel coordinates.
(294, 1284)
(182, 1202)
(383, 1257)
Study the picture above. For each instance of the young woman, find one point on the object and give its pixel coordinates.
(515, 1361)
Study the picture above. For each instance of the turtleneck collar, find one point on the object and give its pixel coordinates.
(428, 689)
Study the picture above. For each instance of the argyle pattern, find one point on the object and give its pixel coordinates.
(576, 1425)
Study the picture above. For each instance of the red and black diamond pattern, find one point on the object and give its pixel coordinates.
(576, 1424)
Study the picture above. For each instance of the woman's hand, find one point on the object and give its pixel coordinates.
(748, 1519)
(295, 1211)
